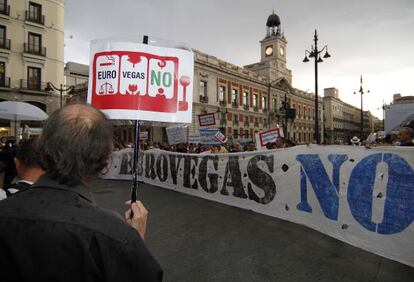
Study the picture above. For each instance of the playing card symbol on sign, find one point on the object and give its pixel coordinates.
(220, 137)
(138, 81)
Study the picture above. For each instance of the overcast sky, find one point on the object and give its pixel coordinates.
(373, 38)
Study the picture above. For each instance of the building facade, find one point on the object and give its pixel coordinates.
(252, 98)
(399, 112)
(76, 74)
(31, 52)
(343, 121)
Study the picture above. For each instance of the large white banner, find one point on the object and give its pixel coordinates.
(364, 197)
(134, 81)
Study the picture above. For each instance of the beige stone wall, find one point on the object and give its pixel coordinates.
(17, 60)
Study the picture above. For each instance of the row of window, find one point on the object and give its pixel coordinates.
(238, 133)
(297, 136)
(33, 82)
(33, 14)
(33, 45)
(234, 97)
(304, 112)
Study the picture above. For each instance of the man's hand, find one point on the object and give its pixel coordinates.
(139, 219)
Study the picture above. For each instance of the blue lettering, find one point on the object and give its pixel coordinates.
(399, 203)
(326, 191)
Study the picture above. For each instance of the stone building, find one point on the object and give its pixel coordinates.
(399, 112)
(251, 99)
(31, 52)
(343, 121)
(76, 74)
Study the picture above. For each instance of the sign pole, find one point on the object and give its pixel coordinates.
(134, 190)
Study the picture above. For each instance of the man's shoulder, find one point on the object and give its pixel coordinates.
(68, 210)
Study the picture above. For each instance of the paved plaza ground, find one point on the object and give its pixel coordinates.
(199, 240)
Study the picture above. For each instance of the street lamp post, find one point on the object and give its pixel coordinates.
(361, 91)
(222, 114)
(51, 87)
(285, 125)
(383, 115)
(315, 54)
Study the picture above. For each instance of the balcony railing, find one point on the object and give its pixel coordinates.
(33, 85)
(35, 18)
(256, 124)
(203, 99)
(5, 82)
(223, 103)
(235, 122)
(234, 104)
(5, 44)
(5, 9)
(246, 107)
(34, 49)
(246, 123)
(256, 109)
(264, 110)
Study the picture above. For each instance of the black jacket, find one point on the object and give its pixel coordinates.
(53, 232)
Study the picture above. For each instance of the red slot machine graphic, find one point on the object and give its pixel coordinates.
(138, 81)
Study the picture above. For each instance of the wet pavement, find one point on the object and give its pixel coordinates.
(199, 240)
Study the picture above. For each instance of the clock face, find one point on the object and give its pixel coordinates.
(269, 51)
(281, 51)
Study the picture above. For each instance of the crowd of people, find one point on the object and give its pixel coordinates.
(228, 147)
(403, 137)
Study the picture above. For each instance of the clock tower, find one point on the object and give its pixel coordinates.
(273, 52)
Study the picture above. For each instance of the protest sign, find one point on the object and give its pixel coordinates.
(364, 197)
(194, 138)
(143, 135)
(176, 135)
(129, 80)
(220, 137)
(208, 136)
(269, 136)
(207, 119)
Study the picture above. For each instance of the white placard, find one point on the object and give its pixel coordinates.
(220, 137)
(176, 135)
(194, 138)
(208, 136)
(134, 81)
(143, 135)
(207, 119)
(269, 136)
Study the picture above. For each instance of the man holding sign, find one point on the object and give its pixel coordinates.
(54, 231)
